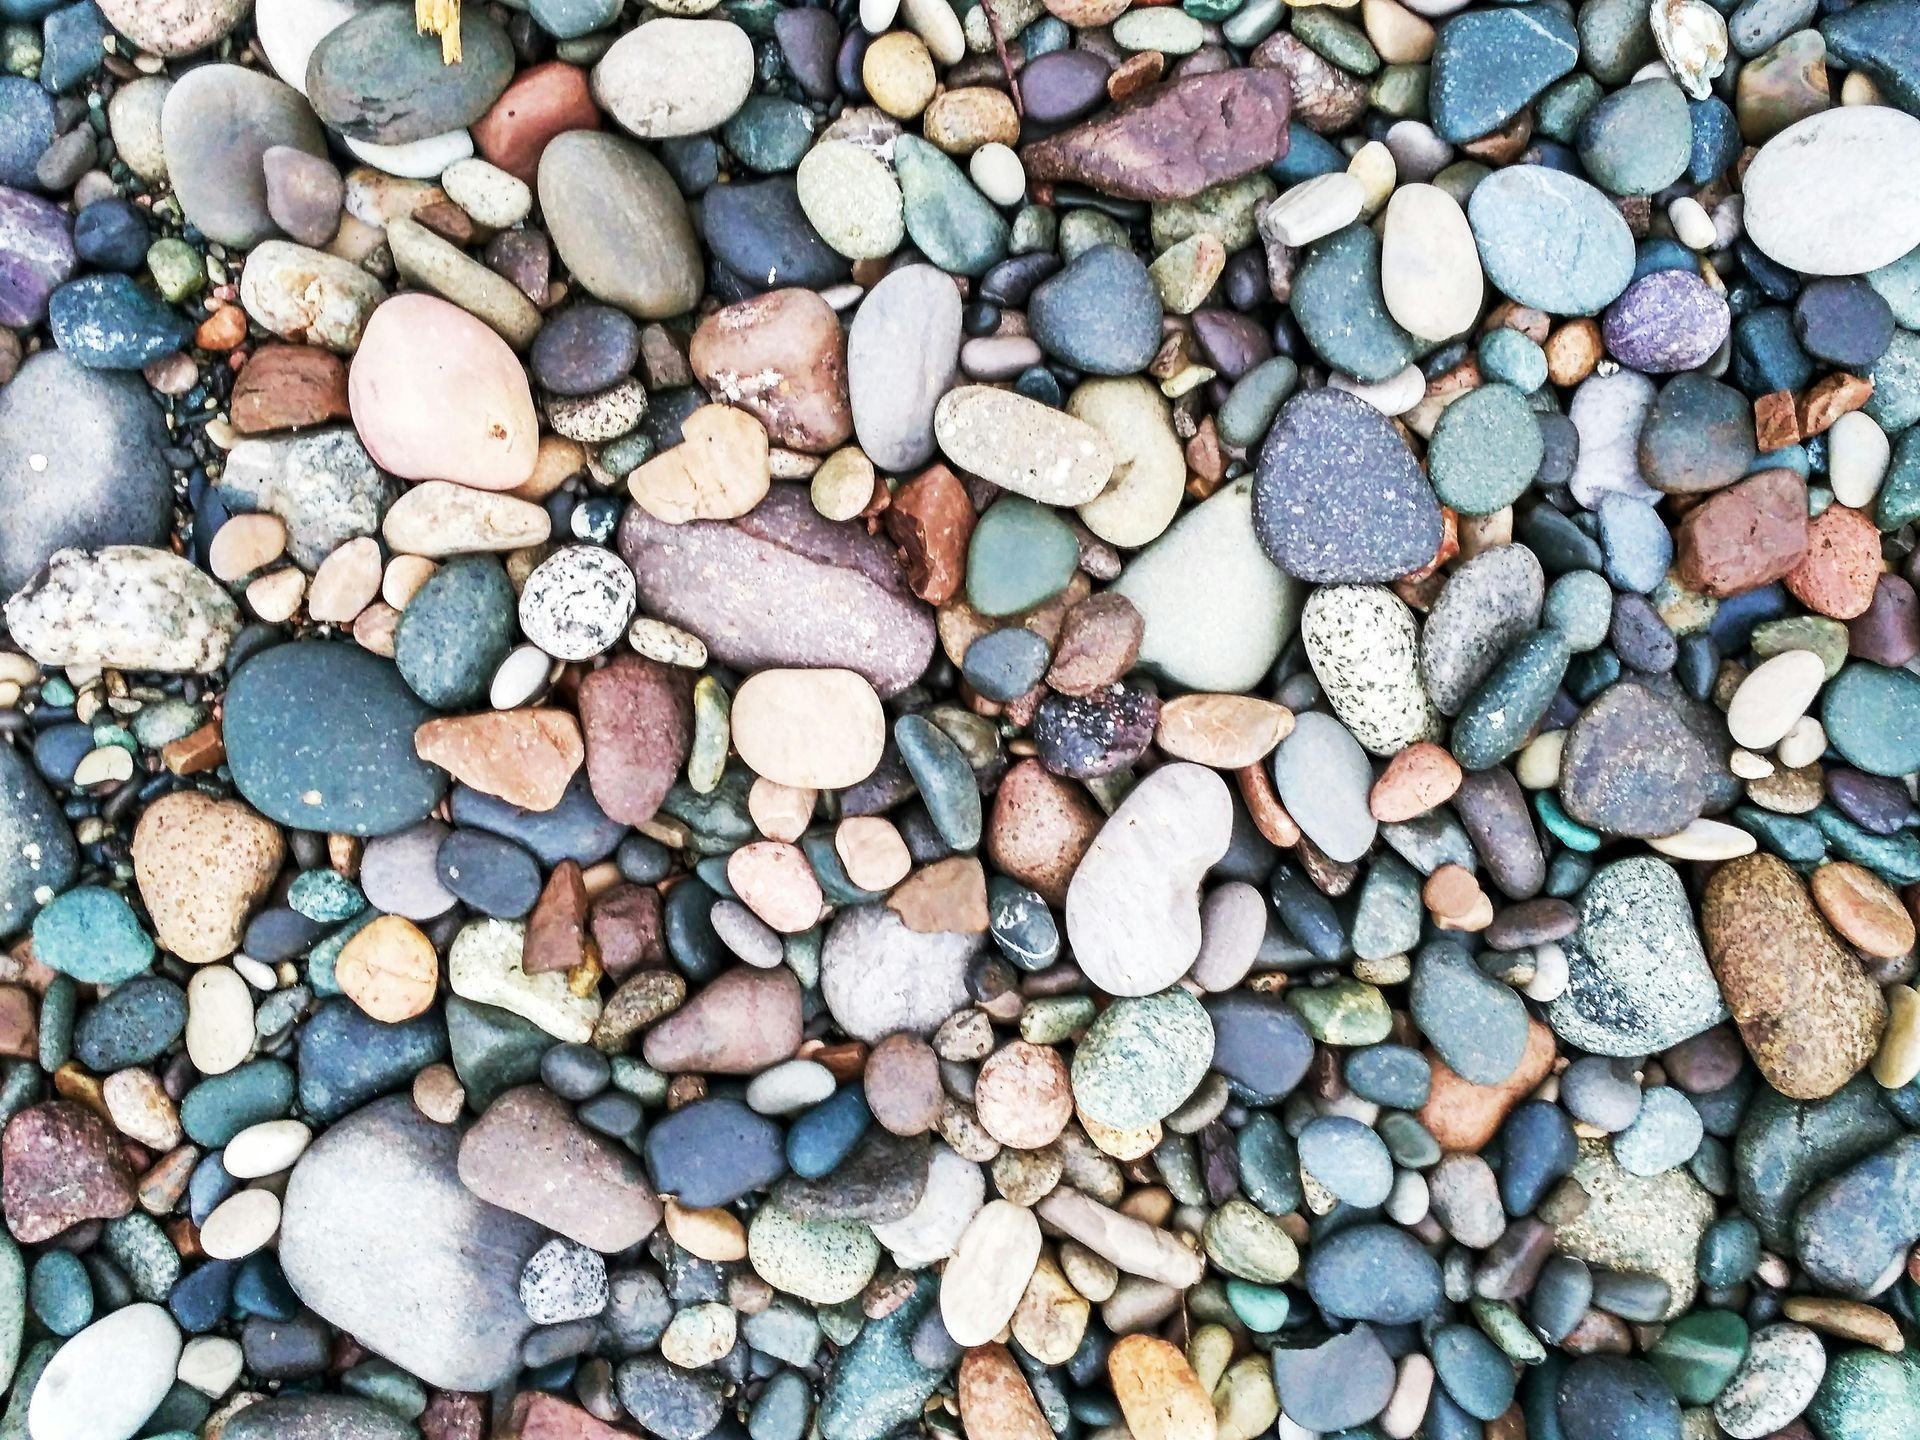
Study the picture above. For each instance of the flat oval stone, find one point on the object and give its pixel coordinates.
(1141, 1059)
(1022, 445)
(1872, 718)
(1133, 907)
(1632, 767)
(1667, 321)
(1855, 160)
(1373, 1272)
(903, 350)
(1488, 604)
(1324, 778)
(1476, 1024)
(619, 223)
(647, 79)
(346, 766)
(316, 1417)
(378, 77)
(1489, 64)
(1429, 267)
(219, 120)
(108, 1379)
(1099, 314)
(1338, 302)
(1363, 644)
(1550, 240)
(712, 1152)
(36, 255)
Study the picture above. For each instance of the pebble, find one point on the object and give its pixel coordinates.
(1867, 218)
(1550, 240)
(1022, 445)
(813, 729)
(1363, 644)
(1324, 780)
(619, 224)
(138, 1346)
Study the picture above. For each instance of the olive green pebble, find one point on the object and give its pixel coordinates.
(1347, 1012)
(712, 734)
(1054, 1018)
(1255, 399)
(1826, 638)
(1486, 449)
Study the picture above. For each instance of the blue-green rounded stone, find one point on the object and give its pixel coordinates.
(1021, 555)
(92, 934)
(455, 632)
(1485, 451)
(61, 1292)
(1872, 715)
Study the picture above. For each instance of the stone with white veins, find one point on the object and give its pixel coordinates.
(1836, 193)
(126, 607)
(1364, 646)
(1133, 906)
(577, 602)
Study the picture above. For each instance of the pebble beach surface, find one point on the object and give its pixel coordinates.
(994, 719)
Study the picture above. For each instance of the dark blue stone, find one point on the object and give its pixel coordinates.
(1260, 1045)
(760, 233)
(1100, 315)
(1373, 1272)
(199, 1298)
(346, 1057)
(106, 322)
(584, 349)
(208, 1186)
(132, 1025)
(494, 876)
(1537, 1148)
(111, 234)
(58, 750)
(1661, 253)
(261, 1288)
(1005, 664)
(575, 829)
(279, 933)
(824, 1136)
(692, 942)
(1393, 1075)
(1309, 916)
(712, 1152)
(1716, 139)
(73, 43)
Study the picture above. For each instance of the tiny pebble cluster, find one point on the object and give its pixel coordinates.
(983, 719)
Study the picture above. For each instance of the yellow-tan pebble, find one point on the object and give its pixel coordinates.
(1052, 1316)
(1401, 37)
(276, 597)
(961, 121)
(1848, 1319)
(1864, 909)
(1160, 1396)
(1897, 1061)
(870, 848)
(246, 543)
(898, 74)
(404, 575)
(346, 582)
(995, 1401)
(780, 812)
(710, 1234)
(389, 969)
(842, 486)
(1373, 166)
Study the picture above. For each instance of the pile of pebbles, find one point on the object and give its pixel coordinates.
(1022, 720)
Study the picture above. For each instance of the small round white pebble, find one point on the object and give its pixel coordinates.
(999, 174)
(522, 676)
(265, 1149)
(240, 1224)
(210, 1364)
(1857, 455)
(577, 602)
(1692, 225)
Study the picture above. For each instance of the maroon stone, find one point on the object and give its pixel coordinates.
(61, 1165)
(637, 718)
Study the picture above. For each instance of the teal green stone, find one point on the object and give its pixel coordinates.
(1615, 39)
(1638, 140)
(1550, 240)
(57, 1010)
(326, 896)
(1088, 229)
(1899, 499)
(1895, 401)
(1784, 1148)
(1269, 1164)
(1402, 91)
(1568, 831)
(1792, 838)
(1253, 22)
(769, 134)
(1141, 1059)
(1895, 858)
(1021, 555)
(877, 1385)
(1262, 1309)
(1336, 40)
(1872, 715)
(1824, 637)
(14, 1292)
(61, 1293)
(492, 1050)
(570, 19)
(163, 721)
(387, 1383)
(1488, 65)
(1699, 1353)
(1485, 451)
(145, 1255)
(955, 226)
(1212, 11)
(1729, 1252)
(92, 934)
(1868, 1395)
(943, 777)
(221, 1106)
(1386, 918)
(1503, 1325)
(1509, 356)
(1339, 306)
(1345, 1013)
(1501, 714)
(1899, 285)
(1308, 154)
(26, 1376)
(1255, 399)
(456, 630)
(1409, 1142)
(1579, 605)
(1564, 104)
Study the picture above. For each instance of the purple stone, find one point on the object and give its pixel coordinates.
(1667, 321)
(36, 255)
(1086, 736)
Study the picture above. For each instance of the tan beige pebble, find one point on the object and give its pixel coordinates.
(438, 1093)
(1022, 445)
(1023, 1095)
(669, 644)
(1692, 225)
(436, 518)
(374, 628)
(1093, 1276)
(961, 120)
(1245, 1402)
(709, 1233)
(935, 22)
(773, 879)
(994, 1399)
(1538, 764)
(1158, 1392)
(1412, 1390)
(389, 969)
(1223, 731)
(962, 1131)
(843, 485)
(1185, 273)
(201, 865)
(1858, 453)
(1705, 840)
(1131, 1245)
(718, 471)
(1051, 1319)
(1858, 89)
(1122, 1144)
(346, 582)
(265, 1148)
(404, 575)
(141, 1109)
(276, 596)
(780, 812)
(103, 765)
(1315, 208)
(872, 852)
(1849, 1319)
(1749, 766)
(1429, 264)
(699, 1335)
(1897, 1061)
(1401, 37)
(1374, 167)
(1774, 695)
(989, 1271)
(241, 1224)
(1209, 1351)
(220, 1034)
(246, 543)
(211, 1364)
(1480, 533)
(1805, 743)
(812, 729)
(1865, 910)
(898, 74)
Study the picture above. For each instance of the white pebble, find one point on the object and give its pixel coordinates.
(577, 602)
(1407, 1201)
(265, 1149)
(522, 676)
(1775, 694)
(219, 1019)
(424, 159)
(1692, 226)
(1395, 395)
(106, 1382)
(487, 193)
(876, 16)
(240, 1225)
(669, 644)
(1805, 743)
(1706, 839)
(1316, 208)
(257, 973)
(997, 171)
(1749, 766)
(210, 1364)
(1857, 454)
(1550, 973)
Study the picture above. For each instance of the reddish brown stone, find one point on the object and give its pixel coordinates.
(626, 928)
(1887, 632)
(931, 519)
(1040, 828)
(557, 928)
(637, 715)
(19, 1028)
(741, 1023)
(1842, 564)
(1747, 535)
(286, 386)
(1830, 397)
(1776, 424)
(1465, 1116)
(902, 1084)
(526, 757)
(781, 357)
(60, 1163)
(948, 896)
(454, 1415)
(1099, 641)
(539, 1416)
(541, 103)
(1175, 140)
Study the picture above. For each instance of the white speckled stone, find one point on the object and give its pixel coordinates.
(1364, 646)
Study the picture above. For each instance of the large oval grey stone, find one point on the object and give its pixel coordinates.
(1836, 193)
(618, 221)
(379, 1237)
(903, 349)
(80, 464)
(1550, 240)
(218, 121)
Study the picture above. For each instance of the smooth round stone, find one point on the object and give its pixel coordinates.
(1699, 1353)
(1665, 1133)
(619, 223)
(1606, 1397)
(1472, 1370)
(1476, 1024)
(758, 229)
(1020, 556)
(437, 395)
(377, 77)
(110, 234)
(1497, 718)
(1373, 1272)
(1638, 140)
(132, 1025)
(584, 349)
(92, 934)
(570, 19)
(1697, 436)
(1485, 450)
(106, 322)
(218, 123)
(851, 198)
(879, 977)
(1429, 268)
(1667, 321)
(1324, 779)
(107, 1381)
(1363, 644)
(1843, 321)
(1776, 1379)
(1339, 305)
(577, 602)
(61, 1292)
(493, 876)
(1342, 1382)
(1141, 1059)
(1488, 604)
(1347, 1158)
(456, 631)
(1100, 314)
(954, 225)
(1872, 718)
(1550, 240)
(714, 1151)
(673, 77)
(1601, 1093)
(1005, 664)
(1638, 546)
(348, 765)
(1632, 767)
(1392, 1075)
(1855, 160)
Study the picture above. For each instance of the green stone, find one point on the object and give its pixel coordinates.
(769, 134)
(712, 735)
(955, 226)
(92, 934)
(456, 630)
(1564, 104)
(1895, 402)
(1615, 39)
(1269, 1164)
(1346, 1012)
(1826, 638)
(1899, 500)
(145, 1255)
(1340, 308)
(1253, 22)
(1568, 831)
(1141, 1059)
(1793, 839)
(1509, 356)
(1247, 1243)
(1488, 65)
(1386, 919)
(943, 777)
(326, 896)
(1638, 140)
(1337, 40)
(1402, 91)
(1021, 555)
(1699, 1353)
(1894, 858)
(1872, 715)
(322, 958)
(1227, 211)
(876, 1385)
(1262, 1309)
(1054, 1018)
(492, 1050)
(62, 1294)
(1409, 1142)
(1899, 285)
(57, 1009)
(177, 269)
(1256, 397)
(1496, 721)
(13, 1302)
(1486, 449)
(1503, 1325)
(1868, 1395)
(221, 1106)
